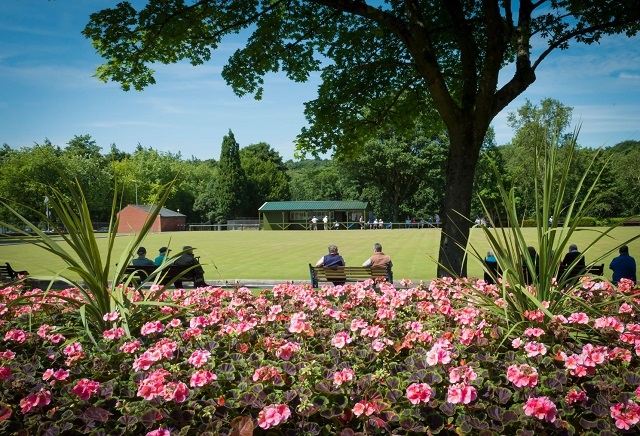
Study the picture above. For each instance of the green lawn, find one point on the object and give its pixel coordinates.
(285, 255)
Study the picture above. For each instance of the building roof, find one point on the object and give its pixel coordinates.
(285, 206)
(164, 212)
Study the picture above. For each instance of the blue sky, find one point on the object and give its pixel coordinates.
(47, 91)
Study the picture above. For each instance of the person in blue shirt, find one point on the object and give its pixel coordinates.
(492, 271)
(142, 260)
(164, 253)
(623, 266)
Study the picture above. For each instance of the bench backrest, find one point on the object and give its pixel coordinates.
(348, 273)
(150, 272)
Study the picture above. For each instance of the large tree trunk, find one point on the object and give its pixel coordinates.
(464, 150)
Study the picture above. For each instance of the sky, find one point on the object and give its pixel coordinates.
(47, 91)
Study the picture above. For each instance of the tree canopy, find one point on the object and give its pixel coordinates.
(388, 62)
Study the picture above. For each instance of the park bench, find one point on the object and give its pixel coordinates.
(591, 270)
(348, 274)
(151, 273)
(9, 274)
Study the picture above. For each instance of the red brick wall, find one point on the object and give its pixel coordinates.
(132, 220)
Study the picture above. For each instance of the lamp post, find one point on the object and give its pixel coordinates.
(135, 182)
(46, 202)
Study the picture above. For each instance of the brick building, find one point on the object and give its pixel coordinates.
(133, 217)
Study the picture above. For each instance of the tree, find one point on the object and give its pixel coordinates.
(390, 173)
(266, 176)
(384, 64)
(230, 184)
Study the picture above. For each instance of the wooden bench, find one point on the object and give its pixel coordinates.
(152, 273)
(9, 274)
(591, 270)
(343, 274)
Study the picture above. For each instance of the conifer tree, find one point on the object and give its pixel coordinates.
(230, 184)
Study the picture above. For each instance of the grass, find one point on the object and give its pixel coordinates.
(285, 255)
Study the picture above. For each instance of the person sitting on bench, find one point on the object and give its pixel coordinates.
(332, 260)
(187, 259)
(379, 259)
(142, 259)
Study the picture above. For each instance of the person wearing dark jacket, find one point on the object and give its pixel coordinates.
(569, 258)
(332, 260)
(187, 259)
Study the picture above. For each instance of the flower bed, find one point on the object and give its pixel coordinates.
(363, 358)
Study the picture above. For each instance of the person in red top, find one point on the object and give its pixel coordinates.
(379, 259)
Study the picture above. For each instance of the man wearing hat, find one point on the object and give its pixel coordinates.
(142, 260)
(188, 259)
(164, 253)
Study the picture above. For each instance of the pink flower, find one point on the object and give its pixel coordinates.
(85, 388)
(113, 316)
(56, 338)
(199, 357)
(541, 408)
(575, 396)
(534, 315)
(522, 375)
(461, 393)
(579, 318)
(130, 347)
(464, 373)
(38, 399)
(286, 350)
(5, 373)
(159, 432)
(364, 407)
(151, 327)
(418, 393)
(534, 348)
(16, 335)
(341, 339)
(516, 343)
(201, 377)
(343, 376)
(534, 332)
(272, 415)
(175, 391)
(625, 414)
(112, 334)
(44, 331)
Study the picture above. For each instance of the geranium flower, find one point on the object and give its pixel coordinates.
(112, 316)
(37, 399)
(199, 357)
(461, 393)
(534, 348)
(364, 407)
(5, 373)
(159, 432)
(341, 339)
(418, 393)
(16, 335)
(625, 414)
(522, 375)
(575, 396)
(343, 376)
(202, 377)
(85, 388)
(541, 408)
(177, 392)
(151, 328)
(272, 415)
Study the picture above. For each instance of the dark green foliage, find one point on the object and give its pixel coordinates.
(230, 186)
